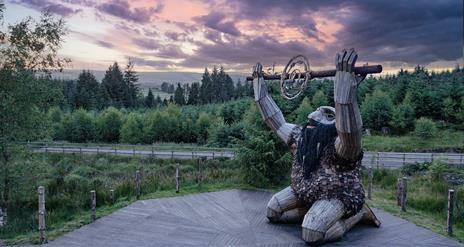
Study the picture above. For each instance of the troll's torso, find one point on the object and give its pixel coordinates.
(319, 173)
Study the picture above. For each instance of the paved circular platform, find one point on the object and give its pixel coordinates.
(228, 218)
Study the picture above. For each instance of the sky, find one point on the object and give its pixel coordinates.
(189, 35)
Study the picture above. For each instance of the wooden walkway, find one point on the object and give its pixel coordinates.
(228, 218)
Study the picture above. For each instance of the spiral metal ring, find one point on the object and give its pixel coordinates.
(294, 79)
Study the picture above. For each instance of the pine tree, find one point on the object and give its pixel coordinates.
(158, 101)
(206, 87)
(103, 98)
(150, 99)
(86, 91)
(238, 92)
(131, 88)
(215, 90)
(179, 97)
(114, 84)
(194, 94)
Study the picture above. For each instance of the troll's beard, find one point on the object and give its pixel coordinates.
(312, 143)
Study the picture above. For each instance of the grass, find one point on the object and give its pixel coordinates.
(427, 197)
(433, 221)
(444, 140)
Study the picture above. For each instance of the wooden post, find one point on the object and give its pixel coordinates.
(431, 158)
(41, 192)
(404, 159)
(177, 178)
(93, 205)
(112, 197)
(98, 150)
(80, 150)
(398, 192)
(200, 172)
(193, 155)
(213, 155)
(152, 152)
(172, 154)
(137, 184)
(378, 156)
(449, 225)
(404, 189)
(369, 183)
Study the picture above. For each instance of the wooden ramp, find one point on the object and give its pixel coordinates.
(228, 218)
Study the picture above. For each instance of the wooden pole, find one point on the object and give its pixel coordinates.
(404, 159)
(112, 197)
(398, 192)
(404, 189)
(378, 156)
(449, 225)
(42, 236)
(369, 183)
(137, 184)
(93, 205)
(177, 178)
(200, 172)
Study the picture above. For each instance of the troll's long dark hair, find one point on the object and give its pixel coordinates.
(312, 143)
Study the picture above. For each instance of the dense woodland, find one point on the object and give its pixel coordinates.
(394, 102)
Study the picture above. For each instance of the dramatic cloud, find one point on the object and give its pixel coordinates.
(216, 21)
(45, 5)
(122, 9)
(147, 43)
(105, 44)
(239, 33)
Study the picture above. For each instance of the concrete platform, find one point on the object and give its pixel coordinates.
(228, 218)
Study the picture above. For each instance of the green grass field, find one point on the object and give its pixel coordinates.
(445, 140)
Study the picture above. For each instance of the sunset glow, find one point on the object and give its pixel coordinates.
(182, 35)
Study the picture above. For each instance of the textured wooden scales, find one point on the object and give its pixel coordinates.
(228, 218)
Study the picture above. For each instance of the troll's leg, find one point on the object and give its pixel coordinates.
(337, 230)
(285, 207)
(320, 217)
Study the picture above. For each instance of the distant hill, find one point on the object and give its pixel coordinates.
(151, 79)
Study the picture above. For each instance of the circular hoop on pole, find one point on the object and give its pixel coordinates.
(295, 77)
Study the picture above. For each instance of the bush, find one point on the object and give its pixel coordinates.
(376, 110)
(109, 123)
(425, 128)
(131, 131)
(264, 159)
(79, 127)
(301, 113)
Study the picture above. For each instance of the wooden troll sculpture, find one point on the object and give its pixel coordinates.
(326, 193)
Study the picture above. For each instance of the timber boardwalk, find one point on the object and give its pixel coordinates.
(228, 218)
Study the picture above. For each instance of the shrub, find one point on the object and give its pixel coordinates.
(109, 124)
(301, 113)
(131, 131)
(79, 127)
(425, 128)
(319, 99)
(376, 110)
(263, 158)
